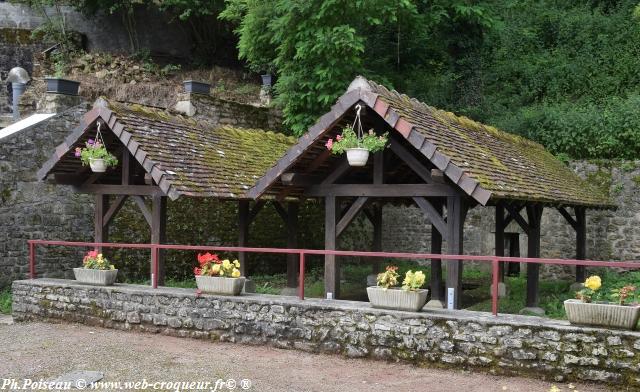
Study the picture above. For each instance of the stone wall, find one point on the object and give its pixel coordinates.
(30, 209)
(611, 235)
(509, 345)
(105, 32)
(223, 112)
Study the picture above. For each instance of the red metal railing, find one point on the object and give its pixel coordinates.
(494, 260)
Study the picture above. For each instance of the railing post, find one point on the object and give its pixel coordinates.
(154, 266)
(495, 275)
(32, 261)
(301, 277)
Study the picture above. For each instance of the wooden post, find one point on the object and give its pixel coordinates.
(499, 238)
(437, 288)
(456, 213)
(534, 215)
(101, 229)
(377, 236)
(581, 242)
(331, 265)
(292, 243)
(159, 231)
(243, 233)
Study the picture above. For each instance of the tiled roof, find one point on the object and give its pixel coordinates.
(507, 165)
(183, 156)
(484, 162)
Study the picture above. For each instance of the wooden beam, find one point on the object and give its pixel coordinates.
(581, 242)
(413, 163)
(331, 266)
(243, 233)
(381, 190)
(456, 213)
(437, 288)
(378, 167)
(514, 213)
(298, 179)
(376, 221)
(101, 230)
(432, 214)
(280, 210)
(113, 209)
(142, 206)
(257, 207)
(159, 230)
(350, 214)
(338, 172)
(293, 265)
(126, 167)
(499, 237)
(534, 215)
(567, 216)
(91, 179)
(104, 189)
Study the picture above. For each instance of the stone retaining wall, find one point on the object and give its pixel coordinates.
(510, 345)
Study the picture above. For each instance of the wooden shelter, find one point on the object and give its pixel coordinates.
(443, 163)
(164, 155)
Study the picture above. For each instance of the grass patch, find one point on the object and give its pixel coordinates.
(5, 301)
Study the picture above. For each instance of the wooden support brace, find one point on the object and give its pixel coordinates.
(142, 206)
(411, 161)
(435, 218)
(350, 214)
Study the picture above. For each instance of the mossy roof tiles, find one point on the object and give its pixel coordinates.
(186, 157)
(507, 165)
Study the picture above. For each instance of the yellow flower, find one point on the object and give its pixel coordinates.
(216, 268)
(226, 264)
(235, 273)
(593, 282)
(236, 263)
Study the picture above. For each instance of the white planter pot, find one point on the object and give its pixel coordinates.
(395, 298)
(95, 276)
(357, 156)
(97, 165)
(599, 314)
(220, 285)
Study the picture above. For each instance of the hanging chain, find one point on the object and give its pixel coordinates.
(99, 135)
(357, 120)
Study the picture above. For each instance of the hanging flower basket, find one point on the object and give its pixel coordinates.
(357, 156)
(95, 154)
(357, 144)
(218, 276)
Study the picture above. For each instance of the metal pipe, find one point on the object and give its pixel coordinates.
(18, 89)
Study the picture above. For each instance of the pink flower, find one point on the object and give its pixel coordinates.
(339, 137)
(78, 152)
(329, 144)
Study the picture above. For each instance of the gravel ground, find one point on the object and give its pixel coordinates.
(45, 351)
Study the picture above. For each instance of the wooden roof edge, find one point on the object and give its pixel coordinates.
(102, 112)
(324, 123)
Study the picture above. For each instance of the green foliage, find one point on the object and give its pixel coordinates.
(5, 301)
(348, 139)
(562, 73)
(96, 151)
(317, 47)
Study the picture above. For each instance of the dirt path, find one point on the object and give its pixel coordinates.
(37, 350)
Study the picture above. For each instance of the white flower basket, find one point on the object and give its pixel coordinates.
(602, 314)
(357, 156)
(398, 299)
(95, 276)
(98, 165)
(220, 285)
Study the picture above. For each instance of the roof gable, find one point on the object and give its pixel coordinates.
(182, 156)
(486, 163)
